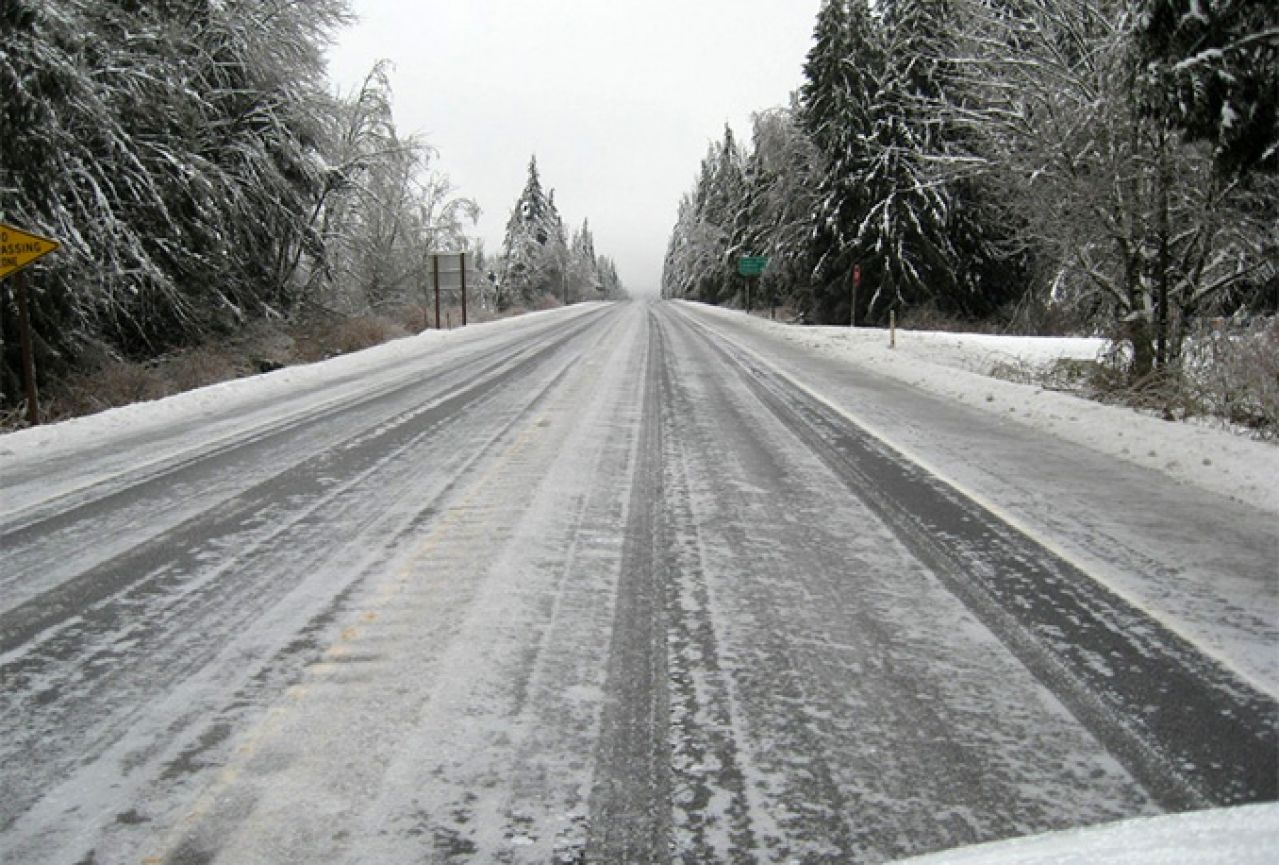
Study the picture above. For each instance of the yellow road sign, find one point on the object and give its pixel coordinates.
(19, 248)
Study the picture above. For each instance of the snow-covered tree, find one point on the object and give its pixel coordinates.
(699, 257)
(529, 247)
(904, 242)
(1213, 69)
(782, 174)
(199, 172)
(611, 285)
(584, 280)
(928, 237)
(842, 75)
(384, 208)
(539, 261)
(174, 148)
(1137, 226)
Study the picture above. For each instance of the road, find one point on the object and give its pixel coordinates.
(615, 585)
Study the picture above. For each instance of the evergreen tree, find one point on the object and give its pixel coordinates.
(698, 262)
(825, 76)
(610, 283)
(782, 174)
(1213, 69)
(928, 237)
(842, 75)
(556, 252)
(530, 233)
(903, 242)
(583, 266)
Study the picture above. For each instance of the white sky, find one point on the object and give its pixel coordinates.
(618, 99)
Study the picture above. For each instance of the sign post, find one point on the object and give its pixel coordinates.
(462, 274)
(435, 281)
(18, 249)
(449, 270)
(751, 266)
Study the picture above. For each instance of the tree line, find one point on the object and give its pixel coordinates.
(1109, 166)
(540, 261)
(202, 175)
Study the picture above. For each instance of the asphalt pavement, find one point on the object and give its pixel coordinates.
(605, 587)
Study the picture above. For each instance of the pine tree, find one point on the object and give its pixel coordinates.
(1213, 70)
(903, 242)
(928, 238)
(529, 232)
(842, 75)
(583, 266)
(822, 93)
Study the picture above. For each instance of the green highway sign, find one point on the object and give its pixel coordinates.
(752, 265)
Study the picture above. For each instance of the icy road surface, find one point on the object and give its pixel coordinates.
(632, 583)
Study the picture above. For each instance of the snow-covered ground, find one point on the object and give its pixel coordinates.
(1176, 519)
(229, 397)
(131, 438)
(424, 583)
(952, 365)
(958, 366)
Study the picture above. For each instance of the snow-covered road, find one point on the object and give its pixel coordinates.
(631, 583)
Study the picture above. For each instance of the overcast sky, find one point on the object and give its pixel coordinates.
(618, 99)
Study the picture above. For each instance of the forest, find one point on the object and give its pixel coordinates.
(1106, 167)
(210, 188)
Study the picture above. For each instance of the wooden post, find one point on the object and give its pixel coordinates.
(435, 271)
(28, 351)
(855, 284)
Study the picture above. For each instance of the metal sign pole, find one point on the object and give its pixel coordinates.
(463, 258)
(435, 269)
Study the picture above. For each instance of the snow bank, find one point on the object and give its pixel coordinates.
(239, 395)
(1247, 835)
(957, 366)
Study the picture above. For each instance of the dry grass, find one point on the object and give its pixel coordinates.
(114, 383)
(202, 366)
(336, 335)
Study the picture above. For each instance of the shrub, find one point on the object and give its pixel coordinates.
(198, 367)
(114, 383)
(1235, 373)
(317, 340)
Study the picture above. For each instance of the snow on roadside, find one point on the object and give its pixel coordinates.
(237, 395)
(956, 366)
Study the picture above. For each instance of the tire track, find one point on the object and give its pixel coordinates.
(1190, 731)
(306, 480)
(630, 800)
(95, 674)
